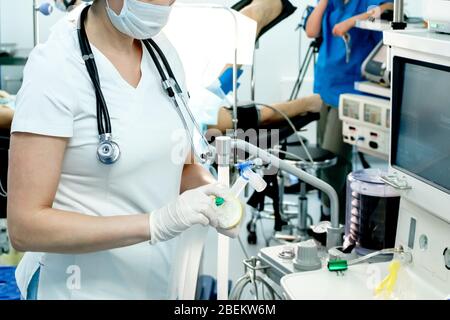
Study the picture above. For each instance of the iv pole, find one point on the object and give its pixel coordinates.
(224, 178)
(46, 9)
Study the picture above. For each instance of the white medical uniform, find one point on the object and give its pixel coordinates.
(57, 99)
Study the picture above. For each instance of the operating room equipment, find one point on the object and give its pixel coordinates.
(224, 146)
(311, 53)
(260, 285)
(108, 151)
(371, 212)
(334, 236)
(281, 260)
(294, 214)
(303, 159)
(229, 212)
(398, 23)
(335, 264)
(280, 263)
(375, 67)
(307, 257)
(419, 161)
(287, 252)
(436, 14)
(291, 218)
(386, 287)
(246, 175)
(366, 123)
(223, 151)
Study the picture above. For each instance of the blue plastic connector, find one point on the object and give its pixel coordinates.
(247, 165)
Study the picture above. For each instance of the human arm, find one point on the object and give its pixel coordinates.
(269, 116)
(34, 225)
(32, 222)
(343, 27)
(314, 23)
(194, 175)
(293, 108)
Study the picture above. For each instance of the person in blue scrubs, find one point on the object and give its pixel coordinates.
(338, 67)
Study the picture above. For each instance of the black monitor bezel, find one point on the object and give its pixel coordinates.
(398, 69)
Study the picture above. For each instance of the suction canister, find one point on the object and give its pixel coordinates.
(371, 212)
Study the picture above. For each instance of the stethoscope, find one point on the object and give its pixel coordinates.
(108, 151)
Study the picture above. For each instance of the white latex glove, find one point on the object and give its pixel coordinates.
(230, 233)
(192, 207)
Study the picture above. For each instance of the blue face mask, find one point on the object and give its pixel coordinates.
(138, 19)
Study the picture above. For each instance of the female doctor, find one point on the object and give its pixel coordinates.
(94, 230)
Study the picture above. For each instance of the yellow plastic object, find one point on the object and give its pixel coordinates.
(230, 213)
(388, 284)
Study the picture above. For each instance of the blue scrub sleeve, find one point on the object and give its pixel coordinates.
(330, 6)
(377, 2)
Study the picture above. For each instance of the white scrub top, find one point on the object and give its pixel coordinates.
(57, 99)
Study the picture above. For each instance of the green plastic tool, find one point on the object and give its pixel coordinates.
(337, 265)
(219, 201)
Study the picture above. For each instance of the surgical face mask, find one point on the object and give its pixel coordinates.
(138, 19)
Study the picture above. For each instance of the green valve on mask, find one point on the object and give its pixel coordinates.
(219, 201)
(337, 265)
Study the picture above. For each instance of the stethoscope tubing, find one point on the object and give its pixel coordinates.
(169, 83)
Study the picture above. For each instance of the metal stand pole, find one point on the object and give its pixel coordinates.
(398, 23)
(252, 76)
(35, 24)
(310, 54)
(303, 212)
(223, 149)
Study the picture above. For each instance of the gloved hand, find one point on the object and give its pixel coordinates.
(192, 207)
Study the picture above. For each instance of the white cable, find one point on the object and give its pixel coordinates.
(3, 193)
(291, 125)
(287, 153)
(373, 254)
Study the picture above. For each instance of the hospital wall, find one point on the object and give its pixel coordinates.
(276, 61)
(16, 26)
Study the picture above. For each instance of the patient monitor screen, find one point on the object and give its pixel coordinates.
(421, 121)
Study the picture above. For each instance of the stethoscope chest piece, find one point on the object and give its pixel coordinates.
(108, 152)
